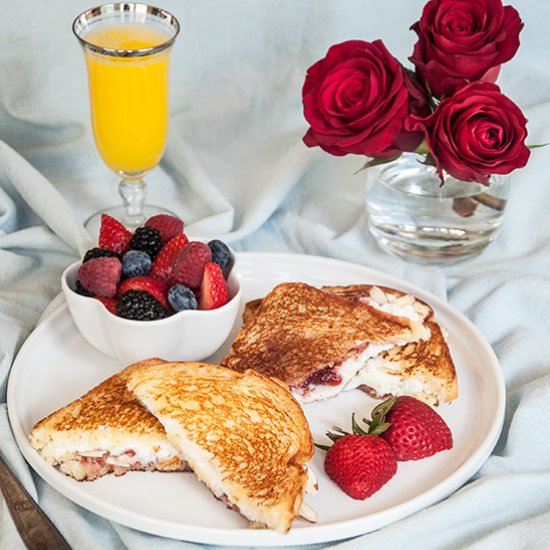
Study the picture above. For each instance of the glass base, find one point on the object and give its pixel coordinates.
(428, 245)
(119, 212)
(413, 216)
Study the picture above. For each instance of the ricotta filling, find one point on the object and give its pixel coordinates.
(346, 370)
(385, 378)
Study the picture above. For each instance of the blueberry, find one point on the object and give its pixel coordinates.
(220, 253)
(136, 262)
(181, 298)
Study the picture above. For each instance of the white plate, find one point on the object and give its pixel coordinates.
(56, 365)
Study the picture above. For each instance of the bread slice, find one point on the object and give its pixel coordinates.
(107, 430)
(422, 368)
(243, 434)
(316, 340)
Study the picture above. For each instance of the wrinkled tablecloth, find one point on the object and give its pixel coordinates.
(236, 167)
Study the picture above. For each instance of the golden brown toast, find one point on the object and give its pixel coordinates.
(243, 435)
(106, 430)
(298, 330)
(422, 369)
(426, 364)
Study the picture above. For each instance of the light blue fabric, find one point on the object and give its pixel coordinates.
(235, 167)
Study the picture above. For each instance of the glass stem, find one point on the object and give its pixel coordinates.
(133, 193)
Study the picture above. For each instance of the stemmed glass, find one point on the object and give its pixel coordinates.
(127, 51)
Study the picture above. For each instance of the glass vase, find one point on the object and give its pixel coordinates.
(413, 216)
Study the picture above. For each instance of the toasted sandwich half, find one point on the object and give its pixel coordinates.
(243, 434)
(107, 430)
(315, 340)
(422, 368)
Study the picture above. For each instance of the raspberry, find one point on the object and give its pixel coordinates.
(136, 262)
(162, 266)
(182, 298)
(99, 253)
(155, 287)
(100, 276)
(188, 267)
(148, 240)
(139, 305)
(113, 235)
(214, 291)
(168, 226)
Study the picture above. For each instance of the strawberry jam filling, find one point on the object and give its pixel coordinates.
(327, 376)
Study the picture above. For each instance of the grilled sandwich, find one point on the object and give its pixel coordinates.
(315, 340)
(243, 434)
(418, 365)
(105, 431)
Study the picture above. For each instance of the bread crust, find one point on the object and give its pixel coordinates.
(298, 329)
(243, 434)
(428, 359)
(107, 424)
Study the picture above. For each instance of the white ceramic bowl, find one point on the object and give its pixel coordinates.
(185, 336)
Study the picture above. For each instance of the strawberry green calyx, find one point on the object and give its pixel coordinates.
(376, 426)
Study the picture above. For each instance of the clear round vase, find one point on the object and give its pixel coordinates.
(411, 214)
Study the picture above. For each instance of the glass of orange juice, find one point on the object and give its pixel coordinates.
(127, 51)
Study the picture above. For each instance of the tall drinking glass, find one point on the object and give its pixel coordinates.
(127, 51)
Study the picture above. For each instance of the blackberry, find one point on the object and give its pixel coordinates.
(135, 263)
(181, 298)
(99, 253)
(148, 240)
(221, 255)
(139, 305)
(79, 289)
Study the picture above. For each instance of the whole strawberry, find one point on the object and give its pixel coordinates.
(415, 429)
(360, 464)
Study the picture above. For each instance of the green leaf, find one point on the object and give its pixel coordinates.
(537, 146)
(356, 428)
(322, 447)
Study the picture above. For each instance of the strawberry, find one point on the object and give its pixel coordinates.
(416, 430)
(109, 303)
(113, 235)
(162, 266)
(100, 276)
(168, 226)
(214, 292)
(188, 266)
(156, 287)
(360, 463)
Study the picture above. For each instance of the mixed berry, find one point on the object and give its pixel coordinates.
(155, 271)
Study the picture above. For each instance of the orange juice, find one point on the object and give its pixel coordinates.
(129, 97)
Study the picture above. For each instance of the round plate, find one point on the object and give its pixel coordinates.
(56, 365)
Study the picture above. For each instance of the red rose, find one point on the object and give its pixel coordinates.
(356, 100)
(461, 41)
(475, 133)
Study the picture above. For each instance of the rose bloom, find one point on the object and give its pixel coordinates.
(460, 41)
(356, 100)
(475, 133)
